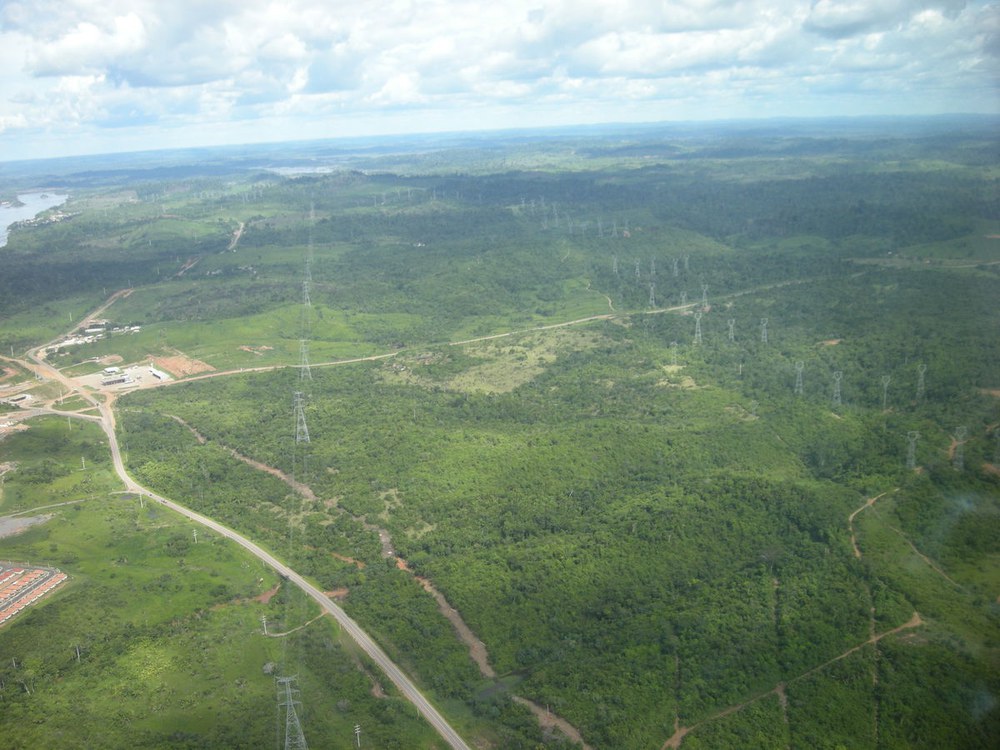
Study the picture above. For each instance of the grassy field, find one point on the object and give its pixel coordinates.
(168, 627)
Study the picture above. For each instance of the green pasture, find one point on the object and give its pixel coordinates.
(170, 640)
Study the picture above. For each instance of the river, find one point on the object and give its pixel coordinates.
(34, 204)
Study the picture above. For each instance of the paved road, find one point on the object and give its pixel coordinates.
(375, 653)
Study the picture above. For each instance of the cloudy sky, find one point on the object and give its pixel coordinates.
(92, 76)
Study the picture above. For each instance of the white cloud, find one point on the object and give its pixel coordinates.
(106, 63)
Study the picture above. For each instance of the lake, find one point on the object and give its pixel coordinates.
(34, 204)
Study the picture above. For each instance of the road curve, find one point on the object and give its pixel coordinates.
(375, 653)
(364, 641)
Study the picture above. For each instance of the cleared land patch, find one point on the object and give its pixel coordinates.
(505, 364)
(180, 365)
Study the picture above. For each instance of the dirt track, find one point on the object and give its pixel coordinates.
(850, 519)
(678, 736)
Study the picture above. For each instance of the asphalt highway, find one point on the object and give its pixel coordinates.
(367, 644)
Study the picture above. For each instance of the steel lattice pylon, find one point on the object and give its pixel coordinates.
(294, 738)
(301, 431)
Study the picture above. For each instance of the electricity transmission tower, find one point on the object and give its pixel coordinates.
(837, 376)
(911, 450)
(652, 294)
(921, 371)
(958, 457)
(799, 367)
(304, 372)
(886, 379)
(763, 330)
(704, 296)
(301, 431)
(732, 328)
(294, 739)
(697, 328)
(305, 318)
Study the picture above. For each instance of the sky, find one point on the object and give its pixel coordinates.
(98, 76)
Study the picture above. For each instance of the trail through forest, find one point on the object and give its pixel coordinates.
(850, 519)
(779, 690)
(477, 649)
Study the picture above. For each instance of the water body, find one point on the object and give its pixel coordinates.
(34, 204)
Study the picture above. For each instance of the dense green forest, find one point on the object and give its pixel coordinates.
(696, 432)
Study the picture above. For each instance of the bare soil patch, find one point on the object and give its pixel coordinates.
(258, 350)
(830, 342)
(349, 560)
(549, 720)
(267, 595)
(180, 365)
(10, 525)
